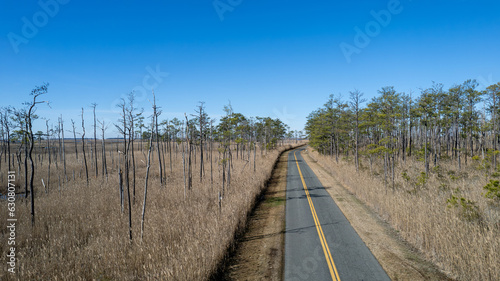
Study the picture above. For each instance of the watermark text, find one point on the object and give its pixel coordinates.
(48, 9)
(11, 222)
(372, 29)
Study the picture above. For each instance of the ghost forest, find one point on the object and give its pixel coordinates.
(163, 200)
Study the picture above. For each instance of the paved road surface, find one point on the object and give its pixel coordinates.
(320, 243)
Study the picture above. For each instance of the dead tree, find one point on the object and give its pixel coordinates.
(83, 150)
(124, 130)
(254, 130)
(38, 91)
(132, 117)
(59, 152)
(74, 138)
(169, 139)
(189, 145)
(184, 162)
(163, 149)
(202, 121)
(148, 166)
(120, 182)
(63, 149)
(2, 135)
(211, 152)
(94, 105)
(50, 160)
(158, 112)
(104, 164)
(6, 124)
(20, 117)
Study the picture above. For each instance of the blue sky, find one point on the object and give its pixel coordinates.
(269, 58)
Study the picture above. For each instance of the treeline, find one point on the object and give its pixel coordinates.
(239, 128)
(457, 124)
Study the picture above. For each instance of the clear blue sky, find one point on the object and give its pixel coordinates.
(269, 58)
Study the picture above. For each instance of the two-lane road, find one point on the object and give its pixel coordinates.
(320, 243)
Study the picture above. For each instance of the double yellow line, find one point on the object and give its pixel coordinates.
(326, 249)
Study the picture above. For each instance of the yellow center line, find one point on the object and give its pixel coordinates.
(324, 244)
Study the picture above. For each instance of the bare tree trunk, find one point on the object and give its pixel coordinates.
(170, 151)
(158, 150)
(94, 105)
(3, 150)
(224, 160)
(74, 138)
(229, 168)
(254, 155)
(184, 167)
(127, 182)
(7, 130)
(392, 170)
(459, 153)
(147, 169)
(201, 123)
(385, 169)
(190, 171)
(425, 153)
(48, 150)
(65, 179)
(211, 159)
(131, 143)
(163, 149)
(30, 139)
(337, 150)
(494, 129)
(188, 139)
(120, 175)
(83, 150)
(104, 164)
(59, 148)
(25, 135)
(35, 93)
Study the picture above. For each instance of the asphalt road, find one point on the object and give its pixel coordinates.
(320, 243)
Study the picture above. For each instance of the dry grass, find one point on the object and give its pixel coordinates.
(466, 244)
(81, 233)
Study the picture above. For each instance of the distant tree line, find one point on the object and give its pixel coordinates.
(457, 124)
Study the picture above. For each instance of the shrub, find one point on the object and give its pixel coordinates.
(492, 190)
(422, 179)
(468, 209)
(452, 175)
(443, 187)
(405, 176)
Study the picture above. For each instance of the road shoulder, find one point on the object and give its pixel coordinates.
(399, 260)
(259, 255)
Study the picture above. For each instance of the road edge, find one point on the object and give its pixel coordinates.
(238, 265)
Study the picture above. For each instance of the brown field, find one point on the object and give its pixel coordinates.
(81, 233)
(463, 240)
